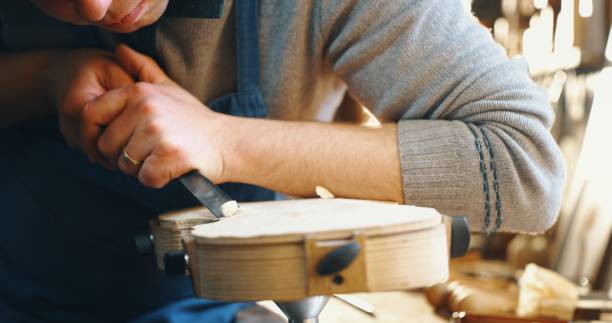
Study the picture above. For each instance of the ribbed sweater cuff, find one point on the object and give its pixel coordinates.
(441, 167)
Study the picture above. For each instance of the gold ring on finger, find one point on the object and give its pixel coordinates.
(131, 161)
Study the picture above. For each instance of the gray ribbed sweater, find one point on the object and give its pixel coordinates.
(472, 135)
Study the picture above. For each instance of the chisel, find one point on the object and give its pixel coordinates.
(209, 194)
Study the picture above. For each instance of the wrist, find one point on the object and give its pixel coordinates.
(44, 77)
(240, 141)
(226, 129)
(53, 77)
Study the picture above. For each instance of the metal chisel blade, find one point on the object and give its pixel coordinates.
(209, 194)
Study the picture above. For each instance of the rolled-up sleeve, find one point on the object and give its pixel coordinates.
(473, 129)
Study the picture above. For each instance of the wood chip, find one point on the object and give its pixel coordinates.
(324, 193)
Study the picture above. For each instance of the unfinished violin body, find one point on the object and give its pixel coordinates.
(289, 250)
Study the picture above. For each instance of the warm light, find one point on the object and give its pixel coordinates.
(598, 134)
(547, 17)
(534, 21)
(529, 44)
(565, 54)
(556, 87)
(595, 159)
(540, 4)
(501, 30)
(589, 213)
(467, 4)
(526, 8)
(372, 121)
(585, 8)
(564, 34)
(537, 43)
(509, 7)
(609, 46)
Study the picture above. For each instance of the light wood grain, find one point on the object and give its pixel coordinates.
(171, 228)
(277, 221)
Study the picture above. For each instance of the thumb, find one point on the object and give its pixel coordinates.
(141, 66)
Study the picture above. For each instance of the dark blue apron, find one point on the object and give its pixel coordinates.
(66, 226)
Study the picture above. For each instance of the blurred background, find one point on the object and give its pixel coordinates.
(568, 46)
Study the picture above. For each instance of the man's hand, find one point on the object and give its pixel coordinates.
(77, 78)
(159, 124)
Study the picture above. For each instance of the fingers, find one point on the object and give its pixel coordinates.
(137, 149)
(158, 170)
(106, 107)
(114, 77)
(138, 111)
(71, 110)
(117, 134)
(96, 114)
(142, 67)
(159, 158)
(139, 158)
(89, 133)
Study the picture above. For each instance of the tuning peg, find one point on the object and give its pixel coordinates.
(144, 242)
(460, 236)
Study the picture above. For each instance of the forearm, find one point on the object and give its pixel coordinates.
(295, 157)
(22, 79)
